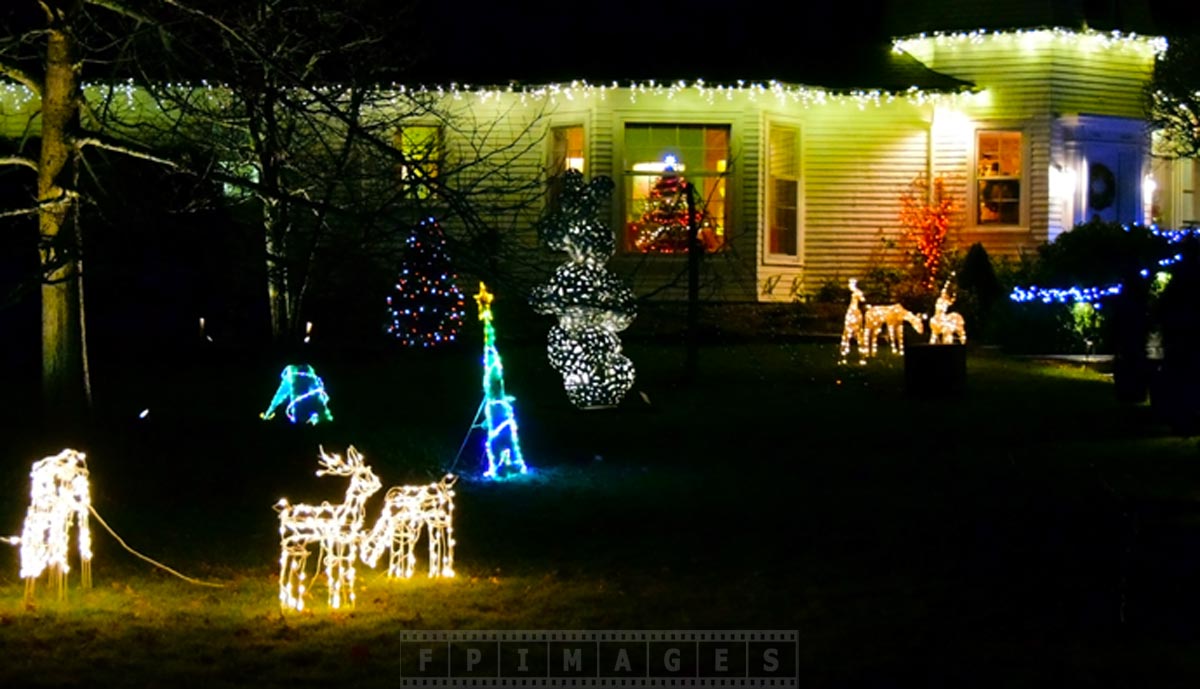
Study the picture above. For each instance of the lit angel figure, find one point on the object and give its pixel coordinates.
(336, 529)
(59, 496)
(502, 445)
(407, 510)
(945, 326)
(852, 328)
(591, 303)
(889, 321)
(304, 392)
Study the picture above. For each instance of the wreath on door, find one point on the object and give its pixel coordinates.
(1102, 187)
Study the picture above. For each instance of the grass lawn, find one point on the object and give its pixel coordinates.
(1029, 532)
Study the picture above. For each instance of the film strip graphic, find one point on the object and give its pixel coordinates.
(580, 659)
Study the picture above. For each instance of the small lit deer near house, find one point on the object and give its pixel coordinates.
(889, 321)
(336, 529)
(407, 510)
(945, 326)
(852, 328)
(59, 496)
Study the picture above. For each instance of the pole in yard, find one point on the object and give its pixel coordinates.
(695, 250)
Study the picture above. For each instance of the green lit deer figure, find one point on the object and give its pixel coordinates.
(336, 529)
(407, 510)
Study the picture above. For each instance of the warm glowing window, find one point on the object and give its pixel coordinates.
(420, 147)
(660, 159)
(998, 172)
(566, 153)
(783, 192)
(566, 149)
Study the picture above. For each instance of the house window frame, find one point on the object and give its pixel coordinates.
(553, 188)
(975, 177)
(436, 162)
(620, 208)
(770, 258)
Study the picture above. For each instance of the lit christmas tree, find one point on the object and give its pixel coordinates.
(592, 304)
(427, 308)
(502, 445)
(663, 226)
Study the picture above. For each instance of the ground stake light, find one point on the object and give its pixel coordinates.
(336, 529)
(59, 496)
(304, 392)
(407, 510)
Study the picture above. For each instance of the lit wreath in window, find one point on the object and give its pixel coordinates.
(1102, 187)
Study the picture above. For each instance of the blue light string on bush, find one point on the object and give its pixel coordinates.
(1093, 295)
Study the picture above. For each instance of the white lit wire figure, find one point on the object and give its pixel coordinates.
(337, 529)
(59, 496)
(407, 510)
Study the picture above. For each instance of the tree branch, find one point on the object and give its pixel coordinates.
(20, 76)
(18, 160)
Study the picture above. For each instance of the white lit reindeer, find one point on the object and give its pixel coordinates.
(407, 510)
(59, 496)
(336, 528)
(889, 320)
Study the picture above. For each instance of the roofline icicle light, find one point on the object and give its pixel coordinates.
(1087, 39)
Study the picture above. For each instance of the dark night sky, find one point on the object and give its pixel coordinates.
(827, 43)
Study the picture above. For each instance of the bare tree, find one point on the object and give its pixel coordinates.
(1173, 100)
(292, 105)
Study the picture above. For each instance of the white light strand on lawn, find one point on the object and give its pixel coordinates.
(59, 496)
(407, 510)
(336, 529)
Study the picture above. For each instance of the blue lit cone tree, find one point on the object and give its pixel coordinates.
(591, 303)
(427, 307)
(502, 445)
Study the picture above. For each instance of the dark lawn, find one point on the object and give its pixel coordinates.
(1030, 532)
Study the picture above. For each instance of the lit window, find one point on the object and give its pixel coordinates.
(783, 192)
(566, 153)
(660, 159)
(998, 173)
(566, 149)
(421, 150)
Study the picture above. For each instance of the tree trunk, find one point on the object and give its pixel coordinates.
(63, 381)
(275, 225)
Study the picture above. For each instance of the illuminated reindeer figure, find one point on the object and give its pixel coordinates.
(853, 324)
(59, 496)
(946, 325)
(889, 320)
(406, 511)
(336, 528)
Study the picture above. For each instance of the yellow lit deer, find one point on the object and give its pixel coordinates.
(889, 321)
(945, 326)
(852, 328)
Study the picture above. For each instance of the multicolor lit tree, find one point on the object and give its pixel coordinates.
(591, 303)
(663, 226)
(427, 308)
(502, 445)
(926, 214)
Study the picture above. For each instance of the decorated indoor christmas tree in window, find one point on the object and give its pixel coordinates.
(663, 225)
(427, 307)
(591, 303)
